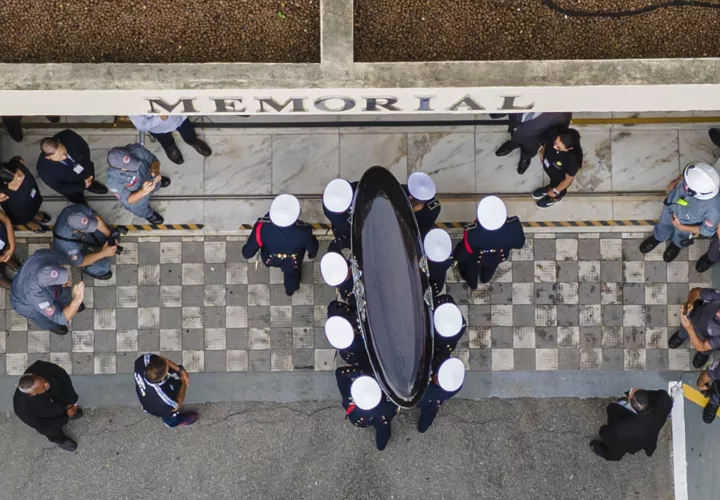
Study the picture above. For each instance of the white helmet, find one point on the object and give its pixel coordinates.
(284, 210)
(438, 245)
(703, 179)
(491, 213)
(366, 392)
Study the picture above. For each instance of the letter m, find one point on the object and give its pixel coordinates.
(157, 105)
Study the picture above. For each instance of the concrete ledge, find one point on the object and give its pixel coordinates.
(119, 390)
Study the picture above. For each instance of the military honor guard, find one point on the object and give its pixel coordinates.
(282, 240)
(449, 324)
(445, 384)
(343, 336)
(337, 203)
(45, 400)
(41, 292)
(438, 250)
(421, 190)
(488, 241)
(336, 272)
(365, 404)
(691, 209)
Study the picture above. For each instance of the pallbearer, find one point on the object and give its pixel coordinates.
(421, 192)
(337, 201)
(336, 272)
(449, 326)
(438, 249)
(365, 404)
(445, 384)
(488, 241)
(343, 336)
(283, 240)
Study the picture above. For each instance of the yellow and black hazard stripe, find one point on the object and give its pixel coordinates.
(532, 224)
(142, 227)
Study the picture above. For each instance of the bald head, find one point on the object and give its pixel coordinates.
(32, 384)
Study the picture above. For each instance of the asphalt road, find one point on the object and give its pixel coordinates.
(493, 449)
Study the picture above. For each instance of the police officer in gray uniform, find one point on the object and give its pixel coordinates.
(133, 177)
(700, 320)
(41, 292)
(709, 383)
(77, 231)
(692, 208)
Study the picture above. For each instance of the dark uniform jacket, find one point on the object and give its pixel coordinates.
(46, 413)
(356, 354)
(427, 216)
(628, 432)
(378, 417)
(68, 177)
(341, 223)
(435, 396)
(480, 247)
(438, 273)
(282, 247)
(444, 346)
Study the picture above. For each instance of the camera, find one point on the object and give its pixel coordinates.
(114, 238)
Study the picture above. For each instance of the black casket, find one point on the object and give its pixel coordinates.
(392, 287)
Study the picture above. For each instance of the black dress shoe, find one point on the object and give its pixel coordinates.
(156, 219)
(97, 188)
(59, 329)
(709, 412)
(82, 307)
(675, 341)
(497, 116)
(68, 445)
(506, 148)
(202, 148)
(648, 244)
(42, 229)
(45, 218)
(13, 127)
(714, 134)
(700, 359)
(597, 447)
(78, 414)
(102, 277)
(53, 119)
(174, 155)
(703, 264)
(523, 165)
(671, 252)
(164, 182)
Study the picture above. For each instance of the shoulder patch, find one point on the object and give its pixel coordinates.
(433, 204)
(43, 305)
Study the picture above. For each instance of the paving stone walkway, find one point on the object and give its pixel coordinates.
(586, 301)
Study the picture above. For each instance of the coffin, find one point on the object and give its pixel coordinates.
(392, 287)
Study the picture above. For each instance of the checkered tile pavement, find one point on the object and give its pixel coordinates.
(565, 302)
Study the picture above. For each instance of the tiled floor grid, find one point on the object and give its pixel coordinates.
(565, 302)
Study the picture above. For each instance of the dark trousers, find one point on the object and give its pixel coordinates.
(383, 433)
(470, 270)
(54, 434)
(713, 252)
(427, 417)
(186, 131)
(607, 454)
(528, 134)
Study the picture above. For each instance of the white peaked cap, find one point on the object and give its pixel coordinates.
(337, 196)
(334, 268)
(421, 186)
(438, 245)
(366, 392)
(491, 213)
(339, 332)
(451, 374)
(448, 319)
(284, 210)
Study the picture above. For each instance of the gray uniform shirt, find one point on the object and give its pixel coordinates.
(124, 183)
(72, 249)
(692, 211)
(29, 297)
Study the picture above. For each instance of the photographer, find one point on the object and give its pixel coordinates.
(85, 240)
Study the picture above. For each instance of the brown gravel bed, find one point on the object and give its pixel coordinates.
(483, 30)
(160, 31)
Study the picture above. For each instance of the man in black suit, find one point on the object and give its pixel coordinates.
(65, 165)
(634, 424)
